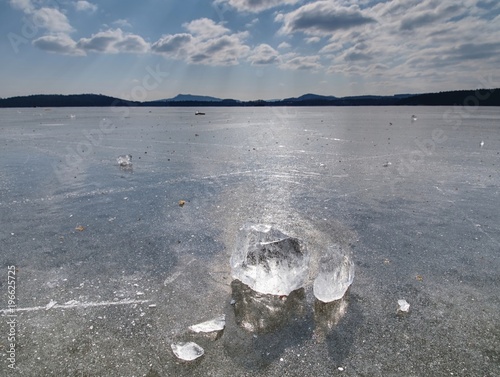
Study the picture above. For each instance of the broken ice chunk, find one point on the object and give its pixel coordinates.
(404, 306)
(187, 351)
(336, 273)
(125, 160)
(269, 261)
(216, 324)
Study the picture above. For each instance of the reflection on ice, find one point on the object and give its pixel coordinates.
(328, 315)
(264, 313)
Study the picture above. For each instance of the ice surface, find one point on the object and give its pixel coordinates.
(336, 273)
(187, 351)
(269, 261)
(404, 306)
(216, 324)
(125, 160)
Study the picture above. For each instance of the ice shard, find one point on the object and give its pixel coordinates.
(187, 351)
(269, 261)
(216, 324)
(336, 273)
(125, 160)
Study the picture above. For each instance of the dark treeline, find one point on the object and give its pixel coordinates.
(480, 97)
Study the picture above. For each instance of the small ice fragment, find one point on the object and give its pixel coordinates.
(216, 324)
(413, 118)
(403, 306)
(50, 305)
(140, 293)
(152, 306)
(336, 273)
(269, 261)
(124, 160)
(481, 143)
(340, 368)
(187, 351)
(233, 301)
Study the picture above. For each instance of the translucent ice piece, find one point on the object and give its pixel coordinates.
(124, 160)
(269, 261)
(187, 351)
(403, 306)
(216, 324)
(336, 273)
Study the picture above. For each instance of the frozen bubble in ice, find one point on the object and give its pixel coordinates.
(124, 160)
(269, 261)
(216, 324)
(187, 351)
(336, 273)
(403, 306)
(481, 144)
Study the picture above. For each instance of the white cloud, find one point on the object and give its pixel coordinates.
(122, 23)
(313, 40)
(173, 45)
(263, 54)
(206, 43)
(113, 41)
(61, 44)
(24, 5)
(52, 19)
(205, 28)
(83, 5)
(303, 63)
(284, 45)
(323, 18)
(255, 6)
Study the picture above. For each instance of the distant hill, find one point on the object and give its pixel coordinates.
(59, 100)
(478, 97)
(482, 97)
(191, 97)
(310, 97)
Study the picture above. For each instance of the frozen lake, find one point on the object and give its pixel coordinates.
(111, 269)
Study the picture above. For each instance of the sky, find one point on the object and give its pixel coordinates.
(247, 49)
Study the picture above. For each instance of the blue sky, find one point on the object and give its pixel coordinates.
(247, 49)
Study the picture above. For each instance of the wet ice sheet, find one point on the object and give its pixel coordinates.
(424, 228)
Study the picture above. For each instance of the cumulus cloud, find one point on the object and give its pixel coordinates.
(206, 43)
(205, 27)
(61, 44)
(255, 6)
(303, 63)
(113, 41)
(52, 19)
(83, 5)
(284, 45)
(173, 45)
(323, 18)
(24, 5)
(263, 54)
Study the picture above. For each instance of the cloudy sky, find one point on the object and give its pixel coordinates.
(247, 49)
